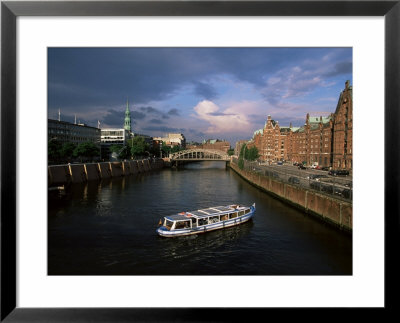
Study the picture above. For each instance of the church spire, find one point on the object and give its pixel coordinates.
(127, 123)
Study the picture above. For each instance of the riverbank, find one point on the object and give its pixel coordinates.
(59, 175)
(333, 211)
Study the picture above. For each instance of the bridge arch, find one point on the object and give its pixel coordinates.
(200, 154)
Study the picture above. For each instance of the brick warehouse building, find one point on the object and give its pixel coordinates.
(326, 141)
(343, 130)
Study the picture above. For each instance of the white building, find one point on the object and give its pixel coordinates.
(173, 139)
(114, 136)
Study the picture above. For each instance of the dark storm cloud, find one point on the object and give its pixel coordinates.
(164, 129)
(156, 121)
(114, 118)
(196, 133)
(340, 68)
(136, 115)
(90, 77)
(149, 110)
(204, 90)
(173, 112)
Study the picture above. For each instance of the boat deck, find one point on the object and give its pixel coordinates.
(204, 213)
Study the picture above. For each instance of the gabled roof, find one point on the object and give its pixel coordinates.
(285, 129)
(259, 131)
(318, 119)
(350, 89)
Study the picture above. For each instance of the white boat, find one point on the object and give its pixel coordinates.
(205, 220)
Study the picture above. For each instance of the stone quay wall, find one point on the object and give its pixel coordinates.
(79, 173)
(333, 211)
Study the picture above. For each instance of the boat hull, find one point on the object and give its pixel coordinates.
(164, 232)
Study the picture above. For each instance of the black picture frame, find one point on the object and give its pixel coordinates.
(10, 10)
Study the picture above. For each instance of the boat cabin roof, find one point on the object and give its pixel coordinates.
(204, 213)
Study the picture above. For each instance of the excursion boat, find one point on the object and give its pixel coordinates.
(204, 220)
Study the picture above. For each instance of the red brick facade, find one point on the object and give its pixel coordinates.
(343, 130)
(326, 141)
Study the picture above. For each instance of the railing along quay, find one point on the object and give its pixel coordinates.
(310, 179)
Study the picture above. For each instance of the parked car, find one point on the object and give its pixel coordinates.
(316, 176)
(275, 175)
(346, 193)
(294, 180)
(301, 166)
(340, 172)
(315, 185)
(271, 174)
(325, 168)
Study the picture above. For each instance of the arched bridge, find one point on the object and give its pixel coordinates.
(200, 154)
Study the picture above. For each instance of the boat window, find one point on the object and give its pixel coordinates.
(214, 219)
(241, 213)
(232, 215)
(224, 217)
(182, 225)
(247, 211)
(193, 221)
(203, 221)
(168, 224)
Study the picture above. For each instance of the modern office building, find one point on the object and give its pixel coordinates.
(63, 132)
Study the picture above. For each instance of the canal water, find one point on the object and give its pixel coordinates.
(109, 228)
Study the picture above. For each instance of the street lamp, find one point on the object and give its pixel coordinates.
(160, 149)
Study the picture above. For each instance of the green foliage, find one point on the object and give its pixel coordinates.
(241, 156)
(243, 151)
(54, 150)
(231, 152)
(175, 149)
(251, 154)
(138, 146)
(241, 163)
(116, 148)
(86, 149)
(166, 149)
(67, 150)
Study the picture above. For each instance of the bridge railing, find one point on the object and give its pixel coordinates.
(198, 154)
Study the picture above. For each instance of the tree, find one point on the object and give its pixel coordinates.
(251, 154)
(241, 163)
(138, 146)
(165, 149)
(175, 149)
(231, 152)
(242, 155)
(86, 149)
(243, 150)
(54, 150)
(67, 150)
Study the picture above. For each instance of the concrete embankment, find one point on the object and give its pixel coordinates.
(79, 173)
(331, 210)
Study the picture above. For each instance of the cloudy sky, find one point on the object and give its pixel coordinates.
(204, 93)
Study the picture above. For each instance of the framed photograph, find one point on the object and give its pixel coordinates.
(103, 89)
